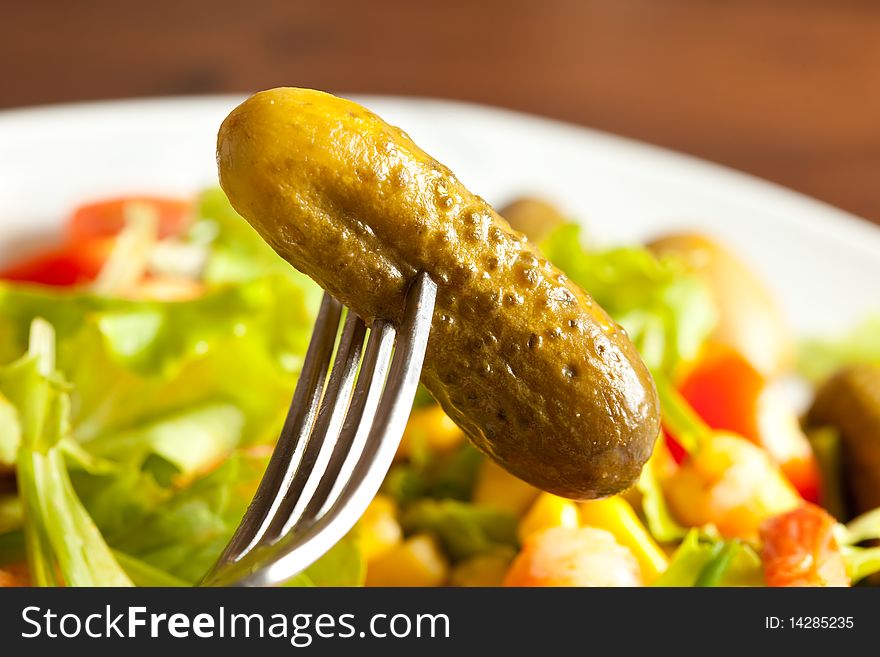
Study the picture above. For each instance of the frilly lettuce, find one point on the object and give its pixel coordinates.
(165, 419)
(57, 527)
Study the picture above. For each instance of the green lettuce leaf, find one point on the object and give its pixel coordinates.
(180, 533)
(10, 432)
(343, 565)
(156, 395)
(820, 358)
(703, 560)
(861, 562)
(190, 441)
(143, 574)
(658, 516)
(57, 527)
(238, 253)
(132, 363)
(667, 312)
(865, 527)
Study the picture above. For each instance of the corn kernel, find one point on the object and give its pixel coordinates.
(418, 561)
(497, 488)
(429, 429)
(379, 529)
(548, 511)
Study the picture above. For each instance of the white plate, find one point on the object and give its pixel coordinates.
(823, 264)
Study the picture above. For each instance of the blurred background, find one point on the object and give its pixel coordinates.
(786, 90)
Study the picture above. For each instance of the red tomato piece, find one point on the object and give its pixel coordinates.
(73, 264)
(107, 218)
(799, 549)
(729, 394)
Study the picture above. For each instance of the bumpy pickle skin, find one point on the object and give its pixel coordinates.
(531, 368)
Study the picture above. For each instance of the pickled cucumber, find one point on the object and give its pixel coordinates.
(850, 402)
(531, 368)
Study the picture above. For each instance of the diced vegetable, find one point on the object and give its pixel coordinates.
(684, 430)
(661, 522)
(442, 475)
(799, 549)
(495, 487)
(547, 511)
(729, 394)
(418, 561)
(429, 430)
(379, 530)
(73, 264)
(615, 515)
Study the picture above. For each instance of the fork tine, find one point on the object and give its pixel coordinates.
(297, 425)
(325, 432)
(296, 551)
(352, 438)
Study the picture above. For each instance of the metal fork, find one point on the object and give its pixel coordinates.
(337, 443)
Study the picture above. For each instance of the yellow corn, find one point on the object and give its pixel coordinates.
(429, 429)
(418, 561)
(616, 516)
(548, 511)
(496, 487)
(379, 529)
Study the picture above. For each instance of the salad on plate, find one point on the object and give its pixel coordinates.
(147, 364)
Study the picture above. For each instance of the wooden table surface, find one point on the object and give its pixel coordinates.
(786, 90)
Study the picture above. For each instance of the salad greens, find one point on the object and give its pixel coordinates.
(148, 435)
(56, 524)
(705, 560)
(139, 429)
(818, 359)
(123, 451)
